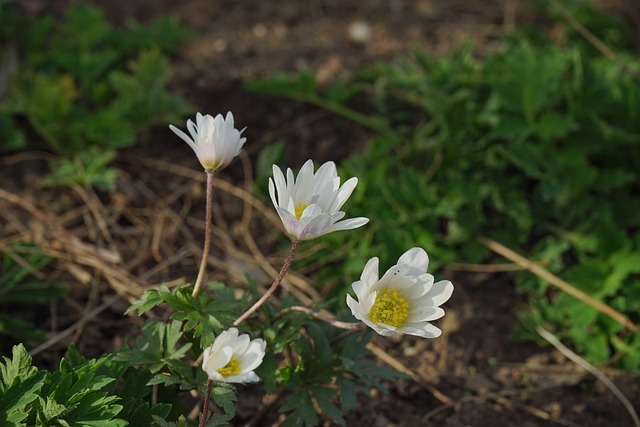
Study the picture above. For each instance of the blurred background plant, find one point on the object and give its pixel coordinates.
(84, 86)
(23, 283)
(536, 145)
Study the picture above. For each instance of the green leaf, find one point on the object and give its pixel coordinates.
(301, 410)
(89, 167)
(225, 397)
(19, 384)
(325, 397)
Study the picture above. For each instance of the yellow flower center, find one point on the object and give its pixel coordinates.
(232, 368)
(299, 209)
(390, 308)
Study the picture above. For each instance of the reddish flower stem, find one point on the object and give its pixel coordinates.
(205, 408)
(274, 285)
(207, 234)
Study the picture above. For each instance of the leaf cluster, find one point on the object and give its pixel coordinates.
(76, 395)
(81, 82)
(168, 350)
(318, 369)
(536, 145)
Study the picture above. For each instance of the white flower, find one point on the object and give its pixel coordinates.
(309, 205)
(214, 140)
(404, 300)
(232, 357)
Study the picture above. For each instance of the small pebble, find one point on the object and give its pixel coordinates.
(359, 32)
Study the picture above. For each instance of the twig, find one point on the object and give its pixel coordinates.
(558, 282)
(592, 369)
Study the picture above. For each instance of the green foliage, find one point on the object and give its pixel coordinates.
(83, 83)
(18, 386)
(165, 349)
(88, 167)
(20, 285)
(202, 316)
(536, 146)
(74, 396)
(329, 370)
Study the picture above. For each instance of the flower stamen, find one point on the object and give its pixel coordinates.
(299, 209)
(390, 308)
(232, 368)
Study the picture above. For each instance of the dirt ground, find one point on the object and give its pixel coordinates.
(150, 229)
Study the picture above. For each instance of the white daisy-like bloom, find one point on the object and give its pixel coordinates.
(214, 140)
(404, 300)
(309, 205)
(232, 358)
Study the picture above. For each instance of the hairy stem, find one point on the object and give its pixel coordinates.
(207, 235)
(205, 407)
(274, 285)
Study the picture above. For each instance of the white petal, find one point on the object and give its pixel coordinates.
(304, 184)
(440, 292)
(325, 173)
(370, 272)
(241, 344)
(317, 226)
(424, 314)
(349, 224)
(416, 258)
(421, 288)
(344, 193)
(254, 355)
(354, 306)
(311, 211)
(194, 129)
(291, 224)
(249, 377)
(281, 186)
(185, 138)
(424, 330)
(368, 302)
(224, 339)
(361, 289)
(272, 193)
(217, 360)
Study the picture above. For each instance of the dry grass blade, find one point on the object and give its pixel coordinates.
(68, 331)
(500, 397)
(558, 282)
(385, 357)
(64, 245)
(222, 185)
(592, 369)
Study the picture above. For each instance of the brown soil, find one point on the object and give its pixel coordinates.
(151, 228)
